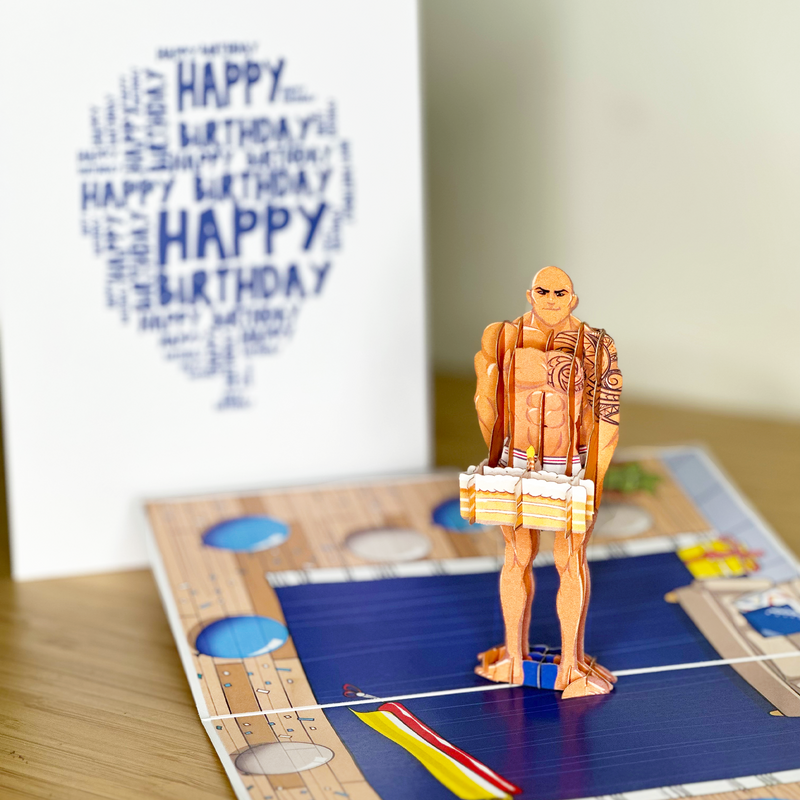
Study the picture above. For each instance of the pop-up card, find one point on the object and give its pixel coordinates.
(211, 259)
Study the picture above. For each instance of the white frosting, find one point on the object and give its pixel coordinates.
(497, 483)
(556, 477)
(517, 473)
(545, 488)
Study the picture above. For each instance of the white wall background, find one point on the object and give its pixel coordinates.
(649, 147)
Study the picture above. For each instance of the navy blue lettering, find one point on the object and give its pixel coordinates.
(293, 282)
(185, 86)
(271, 281)
(209, 85)
(208, 231)
(252, 73)
(164, 293)
(313, 223)
(199, 287)
(277, 219)
(222, 273)
(165, 238)
(244, 221)
(321, 273)
(242, 285)
(276, 76)
(232, 73)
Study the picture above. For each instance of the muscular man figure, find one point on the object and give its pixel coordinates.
(563, 402)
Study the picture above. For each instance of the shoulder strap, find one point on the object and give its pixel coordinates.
(548, 345)
(577, 353)
(496, 441)
(579, 343)
(512, 391)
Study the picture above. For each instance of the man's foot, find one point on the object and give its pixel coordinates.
(590, 662)
(586, 687)
(591, 667)
(495, 665)
(580, 682)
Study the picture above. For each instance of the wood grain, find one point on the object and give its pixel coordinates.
(94, 702)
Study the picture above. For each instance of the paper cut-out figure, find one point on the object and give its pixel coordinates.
(548, 393)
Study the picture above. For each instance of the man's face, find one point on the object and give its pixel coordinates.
(551, 297)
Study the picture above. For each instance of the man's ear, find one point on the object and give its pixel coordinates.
(574, 304)
(529, 295)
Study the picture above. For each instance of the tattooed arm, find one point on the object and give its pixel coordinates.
(610, 392)
(603, 371)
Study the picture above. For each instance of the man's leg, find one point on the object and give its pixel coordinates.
(590, 662)
(573, 596)
(524, 551)
(587, 584)
(504, 664)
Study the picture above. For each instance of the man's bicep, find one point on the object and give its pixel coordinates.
(486, 372)
(610, 391)
(610, 385)
(485, 403)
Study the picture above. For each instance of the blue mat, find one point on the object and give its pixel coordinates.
(411, 635)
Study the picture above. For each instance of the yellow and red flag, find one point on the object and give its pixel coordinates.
(464, 775)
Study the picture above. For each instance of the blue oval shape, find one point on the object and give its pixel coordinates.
(241, 637)
(247, 534)
(448, 515)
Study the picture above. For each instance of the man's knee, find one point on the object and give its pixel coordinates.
(568, 553)
(561, 552)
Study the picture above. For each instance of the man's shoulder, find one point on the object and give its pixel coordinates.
(493, 329)
(593, 334)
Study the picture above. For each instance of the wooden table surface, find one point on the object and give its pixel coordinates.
(93, 699)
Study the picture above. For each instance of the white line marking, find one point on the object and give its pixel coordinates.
(489, 688)
(699, 664)
(494, 687)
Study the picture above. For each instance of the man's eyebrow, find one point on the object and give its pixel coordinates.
(541, 289)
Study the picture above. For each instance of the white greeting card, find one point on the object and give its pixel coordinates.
(211, 259)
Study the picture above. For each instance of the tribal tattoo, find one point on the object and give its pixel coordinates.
(610, 379)
(560, 366)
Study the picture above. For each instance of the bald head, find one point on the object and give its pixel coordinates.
(551, 276)
(552, 297)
